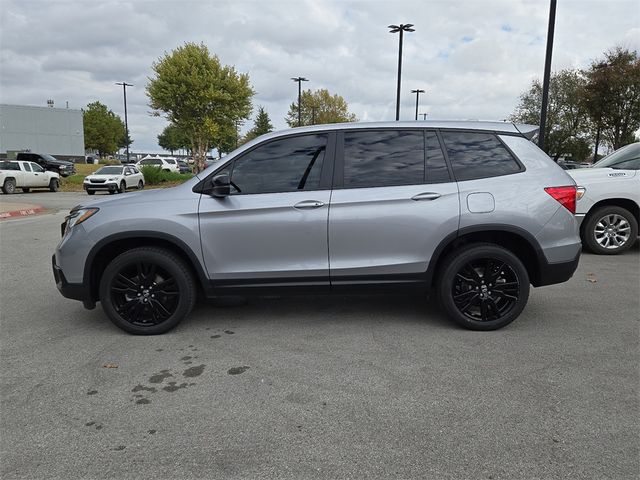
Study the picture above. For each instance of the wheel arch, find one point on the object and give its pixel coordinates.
(625, 203)
(518, 241)
(110, 247)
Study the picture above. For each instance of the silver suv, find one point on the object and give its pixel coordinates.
(472, 209)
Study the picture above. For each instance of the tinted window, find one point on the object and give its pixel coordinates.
(26, 167)
(633, 164)
(478, 155)
(383, 158)
(437, 171)
(9, 166)
(36, 168)
(285, 165)
(628, 152)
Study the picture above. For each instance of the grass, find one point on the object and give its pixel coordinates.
(152, 177)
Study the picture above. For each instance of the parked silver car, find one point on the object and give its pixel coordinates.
(472, 209)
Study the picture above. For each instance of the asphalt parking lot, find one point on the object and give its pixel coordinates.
(316, 387)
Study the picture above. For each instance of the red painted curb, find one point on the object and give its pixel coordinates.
(21, 213)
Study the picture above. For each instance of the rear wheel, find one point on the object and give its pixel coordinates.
(9, 186)
(483, 287)
(610, 230)
(147, 291)
(140, 185)
(54, 185)
(26, 190)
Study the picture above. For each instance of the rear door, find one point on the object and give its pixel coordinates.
(393, 202)
(272, 229)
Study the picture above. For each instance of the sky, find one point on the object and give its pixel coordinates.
(473, 57)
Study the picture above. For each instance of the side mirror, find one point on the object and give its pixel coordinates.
(220, 186)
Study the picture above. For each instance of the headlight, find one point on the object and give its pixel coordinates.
(87, 179)
(112, 179)
(76, 217)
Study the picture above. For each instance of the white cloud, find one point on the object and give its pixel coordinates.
(474, 58)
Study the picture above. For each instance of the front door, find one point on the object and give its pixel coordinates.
(272, 229)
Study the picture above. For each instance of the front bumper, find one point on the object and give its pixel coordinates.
(74, 291)
(100, 186)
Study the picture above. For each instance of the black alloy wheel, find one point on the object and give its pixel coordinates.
(484, 287)
(147, 290)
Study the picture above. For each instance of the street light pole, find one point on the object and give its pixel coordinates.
(299, 80)
(547, 74)
(126, 122)
(401, 29)
(417, 92)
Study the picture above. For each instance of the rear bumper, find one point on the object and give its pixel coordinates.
(552, 273)
(74, 291)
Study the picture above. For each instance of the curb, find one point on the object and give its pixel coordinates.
(21, 213)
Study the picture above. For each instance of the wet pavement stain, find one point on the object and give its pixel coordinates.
(216, 336)
(186, 358)
(92, 392)
(159, 349)
(237, 370)
(139, 388)
(159, 377)
(194, 371)
(143, 401)
(119, 448)
(88, 424)
(173, 386)
(151, 432)
(229, 332)
(188, 363)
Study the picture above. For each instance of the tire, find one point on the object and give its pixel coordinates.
(127, 291)
(91, 192)
(498, 301)
(123, 187)
(9, 186)
(111, 192)
(54, 186)
(140, 185)
(26, 190)
(609, 230)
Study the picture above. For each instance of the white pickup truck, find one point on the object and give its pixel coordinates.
(609, 210)
(26, 175)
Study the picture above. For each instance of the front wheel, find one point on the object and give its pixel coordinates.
(483, 287)
(123, 187)
(147, 291)
(9, 186)
(610, 230)
(140, 185)
(54, 185)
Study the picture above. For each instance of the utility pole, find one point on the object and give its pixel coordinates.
(299, 80)
(401, 29)
(547, 74)
(417, 92)
(126, 122)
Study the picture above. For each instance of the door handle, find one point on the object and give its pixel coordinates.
(308, 204)
(426, 196)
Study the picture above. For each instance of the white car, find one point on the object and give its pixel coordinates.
(26, 175)
(609, 210)
(166, 164)
(114, 178)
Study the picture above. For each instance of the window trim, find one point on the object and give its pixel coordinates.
(325, 174)
(496, 134)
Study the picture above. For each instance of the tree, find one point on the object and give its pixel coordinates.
(319, 107)
(261, 125)
(567, 129)
(103, 130)
(172, 138)
(612, 96)
(198, 95)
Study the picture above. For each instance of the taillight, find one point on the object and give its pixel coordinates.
(566, 196)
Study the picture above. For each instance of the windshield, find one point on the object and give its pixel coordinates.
(48, 157)
(628, 152)
(109, 171)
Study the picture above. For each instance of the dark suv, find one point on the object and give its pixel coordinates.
(473, 210)
(49, 162)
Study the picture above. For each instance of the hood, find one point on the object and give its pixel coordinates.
(595, 174)
(103, 175)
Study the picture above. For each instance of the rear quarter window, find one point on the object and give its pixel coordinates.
(476, 155)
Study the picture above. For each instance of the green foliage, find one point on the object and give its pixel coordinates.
(172, 138)
(104, 131)
(612, 96)
(261, 125)
(319, 107)
(74, 179)
(199, 96)
(156, 176)
(567, 129)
